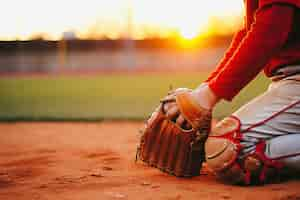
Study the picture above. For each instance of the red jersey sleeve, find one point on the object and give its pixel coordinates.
(266, 37)
(237, 38)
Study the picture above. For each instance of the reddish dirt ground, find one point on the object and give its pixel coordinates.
(96, 161)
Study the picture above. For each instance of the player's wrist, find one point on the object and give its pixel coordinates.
(205, 96)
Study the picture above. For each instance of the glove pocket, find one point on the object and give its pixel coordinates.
(188, 162)
(196, 158)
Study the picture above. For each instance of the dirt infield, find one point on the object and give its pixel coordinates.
(96, 161)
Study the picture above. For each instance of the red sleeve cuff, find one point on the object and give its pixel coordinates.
(221, 91)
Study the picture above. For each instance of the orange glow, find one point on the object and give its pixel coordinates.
(102, 18)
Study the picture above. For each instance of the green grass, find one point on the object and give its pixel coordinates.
(109, 97)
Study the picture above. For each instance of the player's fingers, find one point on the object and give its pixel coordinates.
(169, 98)
(172, 113)
(180, 120)
(187, 126)
(168, 106)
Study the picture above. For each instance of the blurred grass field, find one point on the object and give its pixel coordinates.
(103, 97)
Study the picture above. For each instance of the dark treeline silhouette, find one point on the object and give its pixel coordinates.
(81, 45)
(44, 56)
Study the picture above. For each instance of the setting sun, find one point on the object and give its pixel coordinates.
(190, 29)
(188, 34)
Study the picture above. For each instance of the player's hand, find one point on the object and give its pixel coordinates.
(173, 113)
(203, 95)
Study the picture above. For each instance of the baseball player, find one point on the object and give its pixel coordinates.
(263, 136)
(265, 133)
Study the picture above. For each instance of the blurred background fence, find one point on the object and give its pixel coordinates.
(106, 55)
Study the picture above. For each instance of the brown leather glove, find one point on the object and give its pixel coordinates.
(173, 148)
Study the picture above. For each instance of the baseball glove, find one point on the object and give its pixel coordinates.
(174, 149)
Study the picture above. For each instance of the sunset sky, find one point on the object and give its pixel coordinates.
(27, 19)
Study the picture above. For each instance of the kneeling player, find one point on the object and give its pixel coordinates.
(263, 136)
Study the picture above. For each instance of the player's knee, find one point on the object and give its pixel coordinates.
(224, 155)
(222, 148)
